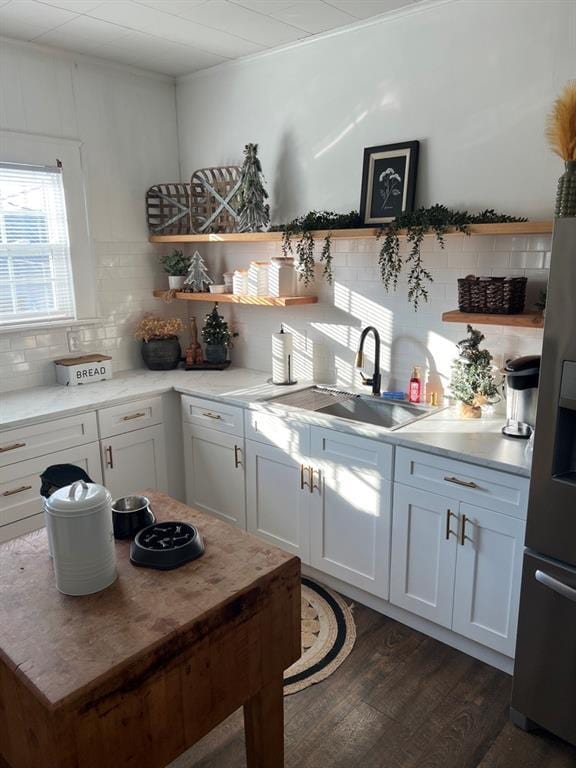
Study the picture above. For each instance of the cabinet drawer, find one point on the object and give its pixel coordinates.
(21, 527)
(459, 480)
(39, 439)
(215, 415)
(130, 416)
(290, 435)
(20, 483)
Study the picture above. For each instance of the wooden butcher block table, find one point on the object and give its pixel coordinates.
(136, 674)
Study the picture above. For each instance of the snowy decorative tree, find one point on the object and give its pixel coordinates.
(197, 279)
(472, 380)
(254, 211)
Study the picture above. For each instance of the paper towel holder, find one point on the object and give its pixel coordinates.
(290, 381)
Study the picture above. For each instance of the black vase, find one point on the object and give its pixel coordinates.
(216, 353)
(161, 354)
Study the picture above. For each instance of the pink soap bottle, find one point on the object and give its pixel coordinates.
(415, 386)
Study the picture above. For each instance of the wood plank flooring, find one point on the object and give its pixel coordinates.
(401, 700)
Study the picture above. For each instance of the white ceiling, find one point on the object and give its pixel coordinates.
(176, 37)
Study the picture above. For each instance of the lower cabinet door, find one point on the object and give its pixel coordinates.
(278, 497)
(488, 577)
(214, 471)
(350, 509)
(424, 533)
(20, 500)
(135, 461)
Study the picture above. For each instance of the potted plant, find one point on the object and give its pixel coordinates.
(217, 337)
(160, 346)
(472, 383)
(176, 264)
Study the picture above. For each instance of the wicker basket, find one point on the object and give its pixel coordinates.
(168, 209)
(214, 199)
(492, 295)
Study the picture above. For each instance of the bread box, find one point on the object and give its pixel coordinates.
(83, 370)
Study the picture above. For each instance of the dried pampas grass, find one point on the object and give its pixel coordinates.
(561, 127)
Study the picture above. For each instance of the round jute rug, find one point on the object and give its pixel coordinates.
(328, 636)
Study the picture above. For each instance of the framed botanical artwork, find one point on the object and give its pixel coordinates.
(388, 182)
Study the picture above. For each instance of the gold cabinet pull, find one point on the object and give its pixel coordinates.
(138, 415)
(110, 458)
(209, 415)
(314, 486)
(237, 457)
(11, 447)
(303, 483)
(465, 483)
(14, 491)
(463, 536)
(449, 516)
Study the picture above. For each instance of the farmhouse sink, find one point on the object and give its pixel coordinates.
(389, 414)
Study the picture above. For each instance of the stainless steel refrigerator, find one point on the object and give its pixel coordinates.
(544, 686)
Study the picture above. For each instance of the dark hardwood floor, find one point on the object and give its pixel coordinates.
(401, 700)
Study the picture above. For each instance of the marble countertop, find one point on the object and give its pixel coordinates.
(477, 440)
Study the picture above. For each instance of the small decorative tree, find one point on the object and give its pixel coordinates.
(217, 337)
(472, 382)
(254, 211)
(197, 279)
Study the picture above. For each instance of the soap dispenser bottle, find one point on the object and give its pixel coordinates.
(415, 386)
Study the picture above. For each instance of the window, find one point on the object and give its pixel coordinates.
(47, 274)
(35, 269)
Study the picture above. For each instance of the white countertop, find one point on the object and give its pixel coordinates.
(476, 440)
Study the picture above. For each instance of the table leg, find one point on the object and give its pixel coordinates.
(264, 726)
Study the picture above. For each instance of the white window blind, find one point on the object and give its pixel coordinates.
(35, 271)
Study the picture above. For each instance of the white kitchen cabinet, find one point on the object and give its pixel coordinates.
(278, 496)
(20, 500)
(135, 461)
(458, 565)
(488, 576)
(351, 508)
(214, 471)
(423, 563)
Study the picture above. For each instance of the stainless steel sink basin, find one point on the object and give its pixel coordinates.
(381, 413)
(389, 414)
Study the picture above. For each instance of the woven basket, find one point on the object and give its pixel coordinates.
(492, 295)
(168, 209)
(214, 199)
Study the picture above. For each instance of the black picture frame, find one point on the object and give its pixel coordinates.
(388, 182)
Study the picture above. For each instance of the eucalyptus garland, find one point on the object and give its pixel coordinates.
(437, 219)
(302, 229)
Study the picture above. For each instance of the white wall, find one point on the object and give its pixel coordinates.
(472, 80)
(127, 123)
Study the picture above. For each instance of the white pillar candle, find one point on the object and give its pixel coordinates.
(282, 359)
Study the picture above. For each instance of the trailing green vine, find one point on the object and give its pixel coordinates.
(302, 230)
(437, 219)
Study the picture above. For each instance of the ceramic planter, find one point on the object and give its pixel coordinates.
(161, 354)
(215, 353)
(566, 195)
(176, 282)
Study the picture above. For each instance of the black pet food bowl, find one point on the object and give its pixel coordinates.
(129, 515)
(166, 545)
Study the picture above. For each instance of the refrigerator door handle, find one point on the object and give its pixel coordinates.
(555, 585)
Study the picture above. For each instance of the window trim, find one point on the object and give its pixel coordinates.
(36, 149)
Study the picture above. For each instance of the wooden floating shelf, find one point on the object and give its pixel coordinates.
(230, 298)
(516, 228)
(525, 320)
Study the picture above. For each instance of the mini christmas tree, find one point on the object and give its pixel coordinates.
(472, 379)
(215, 330)
(197, 279)
(254, 212)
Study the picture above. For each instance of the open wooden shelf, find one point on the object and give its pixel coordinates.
(525, 320)
(521, 228)
(230, 298)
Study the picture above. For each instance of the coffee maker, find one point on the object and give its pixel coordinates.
(521, 388)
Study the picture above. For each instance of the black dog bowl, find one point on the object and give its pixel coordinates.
(166, 546)
(129, 515)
